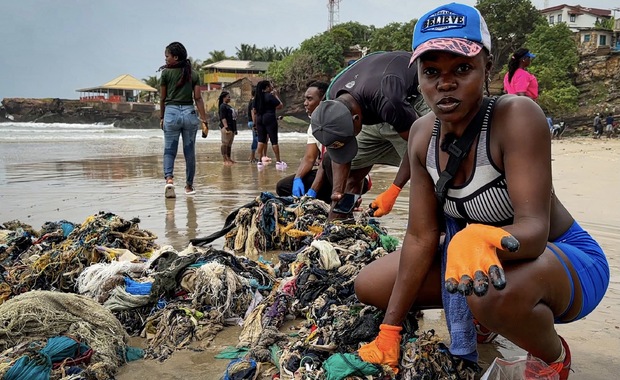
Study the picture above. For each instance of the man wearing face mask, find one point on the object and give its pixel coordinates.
(365, 121)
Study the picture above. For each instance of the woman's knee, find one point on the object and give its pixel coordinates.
(373, 285)
(499, 308)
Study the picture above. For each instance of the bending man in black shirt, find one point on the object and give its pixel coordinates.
(371, 99)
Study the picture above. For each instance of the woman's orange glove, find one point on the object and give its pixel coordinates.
(382, 205)
(385, 349)
(472, 259)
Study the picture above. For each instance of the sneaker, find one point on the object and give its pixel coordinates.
(281, 165)
(483, 335)
(169, 191)
(260, 165)
(561, 368)
(189, 190)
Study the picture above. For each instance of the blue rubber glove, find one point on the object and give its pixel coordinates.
(298, 187)
(311, 193)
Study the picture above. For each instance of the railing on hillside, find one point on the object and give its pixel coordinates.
(102, 98)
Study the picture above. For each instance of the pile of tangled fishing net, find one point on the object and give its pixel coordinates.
(54, 257)
(47, 334)
(45, 327)
(316, 284)
(271, 223)
(174, 299)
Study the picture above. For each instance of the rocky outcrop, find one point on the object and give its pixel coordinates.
(598, 81)
(124, 115)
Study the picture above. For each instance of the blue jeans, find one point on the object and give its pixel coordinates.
(183, 121)
(254, 141)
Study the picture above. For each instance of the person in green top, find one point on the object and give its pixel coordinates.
(180, 99)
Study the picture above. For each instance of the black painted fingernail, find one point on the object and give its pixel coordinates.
(497, 277)
(451, 285)
(510, 243)
(466, 286)
(481, 283)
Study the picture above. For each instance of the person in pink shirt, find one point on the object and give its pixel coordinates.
(518, 80)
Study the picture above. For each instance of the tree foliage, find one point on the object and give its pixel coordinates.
(216, 56)
(555, 67)
(394, 36)
(197, 67)
(605, 23)
(360, 34)
(294, 71)
(326, 50)
(509, 21)
(247, 52)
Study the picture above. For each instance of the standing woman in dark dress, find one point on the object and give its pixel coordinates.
(228, 126)
(266, 102)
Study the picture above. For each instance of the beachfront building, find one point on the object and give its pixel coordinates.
(122, 89)
(586, 23)
(222, 73)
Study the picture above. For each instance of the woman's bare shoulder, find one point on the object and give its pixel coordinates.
(519, 114)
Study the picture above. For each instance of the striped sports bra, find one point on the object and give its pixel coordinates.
(483, 198)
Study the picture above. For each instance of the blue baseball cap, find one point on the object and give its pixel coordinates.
(455, 28)
(530, 55)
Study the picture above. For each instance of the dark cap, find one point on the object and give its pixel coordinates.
(332, 126)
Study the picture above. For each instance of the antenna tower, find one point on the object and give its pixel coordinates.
(334, 9)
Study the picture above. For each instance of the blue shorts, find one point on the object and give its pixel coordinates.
(590, 265)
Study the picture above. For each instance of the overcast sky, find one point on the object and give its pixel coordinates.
(50, 48)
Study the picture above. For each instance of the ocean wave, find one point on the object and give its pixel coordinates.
(53, 126)
(34, 132)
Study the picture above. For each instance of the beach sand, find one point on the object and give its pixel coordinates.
(49, 181)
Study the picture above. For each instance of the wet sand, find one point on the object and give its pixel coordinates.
(42, 181)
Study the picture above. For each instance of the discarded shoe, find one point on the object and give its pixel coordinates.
(169, 191)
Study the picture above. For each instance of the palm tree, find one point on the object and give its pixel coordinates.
(216, 56)
(286, 51)
(269, 54)
(247, 52)
(197, 67)
(152, 81)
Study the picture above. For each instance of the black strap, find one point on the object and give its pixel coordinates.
(458, 150)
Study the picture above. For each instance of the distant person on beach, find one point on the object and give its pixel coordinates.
(266, 102)
(598, 126)
(228, 126)
(180, 98)
(512, 256)
(371, 99)
(519, 81)
(252, 127)
(609, 125)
